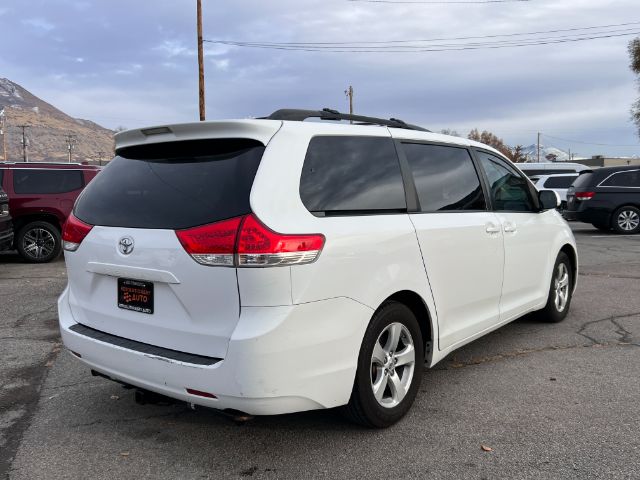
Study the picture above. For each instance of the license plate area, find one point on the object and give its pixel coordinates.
(135, 295)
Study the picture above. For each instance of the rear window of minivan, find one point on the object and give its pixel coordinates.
(173, 185)
(582, 181)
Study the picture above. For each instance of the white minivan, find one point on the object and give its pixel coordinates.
(277, 265)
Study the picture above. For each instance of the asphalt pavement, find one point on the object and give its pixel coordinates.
(531, 400)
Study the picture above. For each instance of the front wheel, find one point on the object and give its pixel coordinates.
(626, 220)
(560, 291)
(390, 367)
(39, 242)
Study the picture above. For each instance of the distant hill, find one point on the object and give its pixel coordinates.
(531, 152)
(48, 128)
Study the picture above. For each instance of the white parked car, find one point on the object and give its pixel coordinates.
(559, 183)
(273, 265)
(550, 168)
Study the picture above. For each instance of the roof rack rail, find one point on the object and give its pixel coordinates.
(297, 115)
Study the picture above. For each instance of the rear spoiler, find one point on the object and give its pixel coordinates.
(260, 130)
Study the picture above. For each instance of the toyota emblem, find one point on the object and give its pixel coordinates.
(125, 245)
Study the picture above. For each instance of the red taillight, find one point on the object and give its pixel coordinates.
(246, 241)
(259, 246)
(200, 393)
(73, 232)
(212, 244)
(584, 195)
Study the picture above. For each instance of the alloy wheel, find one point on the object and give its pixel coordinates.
(392, 365)
(628, 220)
(38, 243)
(561, 287)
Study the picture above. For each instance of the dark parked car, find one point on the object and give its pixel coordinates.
(6, 229)
(41, 196)
(608, 198)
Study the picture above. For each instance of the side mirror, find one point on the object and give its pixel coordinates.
(549, 199)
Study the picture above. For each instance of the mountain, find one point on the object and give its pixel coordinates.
(531, 152)
(48, 129)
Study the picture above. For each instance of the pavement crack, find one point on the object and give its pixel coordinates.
(608, 275)
(625, 335)
(23, 318)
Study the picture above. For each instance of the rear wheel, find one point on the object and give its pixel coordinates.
(626, 220)
(38, 242)
(560, 291)
(390, 368)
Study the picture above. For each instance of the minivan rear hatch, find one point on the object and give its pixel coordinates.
(131, 276)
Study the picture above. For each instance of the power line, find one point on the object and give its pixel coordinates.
(575, 36)
(424, 40)
(435, 48)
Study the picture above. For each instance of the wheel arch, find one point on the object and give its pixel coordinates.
(22, 220)
(418, 306)
(570, 251)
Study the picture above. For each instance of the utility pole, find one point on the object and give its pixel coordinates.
(3, 132)
(25, 142)
(72, 141)
(200, 62)
(349, 93)
(539, 146)
(100, 155)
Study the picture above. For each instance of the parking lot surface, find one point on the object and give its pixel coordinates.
(544, 400)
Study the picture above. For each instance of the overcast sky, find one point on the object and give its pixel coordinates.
(133, 63)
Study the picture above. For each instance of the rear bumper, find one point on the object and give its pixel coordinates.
(589, 215)
(279, 359)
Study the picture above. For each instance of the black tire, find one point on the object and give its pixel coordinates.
(39, 242)
(363, 408)
(626, 220)
(551, 312)
(601, 226)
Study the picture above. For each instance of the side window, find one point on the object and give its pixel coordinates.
(1, 176)
(532, 172)
(623, 179)
(31, 181)
(344, 174)
(509, 191)
(445, 178)
(560, 182)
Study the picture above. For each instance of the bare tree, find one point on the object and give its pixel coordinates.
(448, 131)
(492, 140)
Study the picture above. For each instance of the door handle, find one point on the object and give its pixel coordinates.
(492, 228)
(510, 227)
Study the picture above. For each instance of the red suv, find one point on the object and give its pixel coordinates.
(41, 196)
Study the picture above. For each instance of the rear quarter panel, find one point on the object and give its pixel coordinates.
(365, 258)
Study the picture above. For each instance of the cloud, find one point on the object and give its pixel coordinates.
(39, 24)
(148, 56)
(174, 48)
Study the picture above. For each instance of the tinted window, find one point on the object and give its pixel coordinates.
(623, 179)
(445, 178)
(173, 185)
(31, 181)
(509, 191)
(532, 172)
(1, 176)
(560, 182)
(582, 181)
(351, 174)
